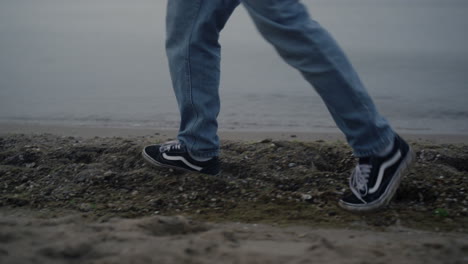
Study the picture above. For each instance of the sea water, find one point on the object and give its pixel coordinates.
(102, 62)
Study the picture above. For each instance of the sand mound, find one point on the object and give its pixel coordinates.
(267, 181)
(62, 201)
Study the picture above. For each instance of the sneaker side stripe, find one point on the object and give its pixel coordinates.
(382, 169)
(180, 158)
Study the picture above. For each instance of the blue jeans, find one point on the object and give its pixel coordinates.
(193, 51)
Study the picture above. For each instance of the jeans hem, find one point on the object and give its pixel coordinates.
(205, 154)
(376, 147)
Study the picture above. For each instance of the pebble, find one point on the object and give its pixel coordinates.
(108, 173)
(306, 197)
(85, 207)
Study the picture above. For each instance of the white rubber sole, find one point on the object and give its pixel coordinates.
(387, 196)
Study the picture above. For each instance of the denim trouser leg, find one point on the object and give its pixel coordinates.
(193, 52)
(306, 46)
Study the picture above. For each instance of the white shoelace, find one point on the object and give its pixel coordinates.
(171, 145)
(358, 180)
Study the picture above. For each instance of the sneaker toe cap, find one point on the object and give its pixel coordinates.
(152, 150)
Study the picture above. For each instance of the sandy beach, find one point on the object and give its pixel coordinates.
(68, 198)
(157, 239)
(85, 85)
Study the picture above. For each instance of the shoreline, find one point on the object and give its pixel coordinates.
(86, 131)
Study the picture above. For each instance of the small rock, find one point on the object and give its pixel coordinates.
(448, 220)
(30, 165)
(109, 174)
(306, 197)
(85, 207)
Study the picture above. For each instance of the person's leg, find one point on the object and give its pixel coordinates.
(193, 51)
(306, 46)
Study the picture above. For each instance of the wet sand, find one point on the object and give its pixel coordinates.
(87, 131)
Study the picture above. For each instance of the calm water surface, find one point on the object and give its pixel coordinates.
(102, 62)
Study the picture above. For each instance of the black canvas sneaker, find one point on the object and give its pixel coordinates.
(375, 179)
(173, 154)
